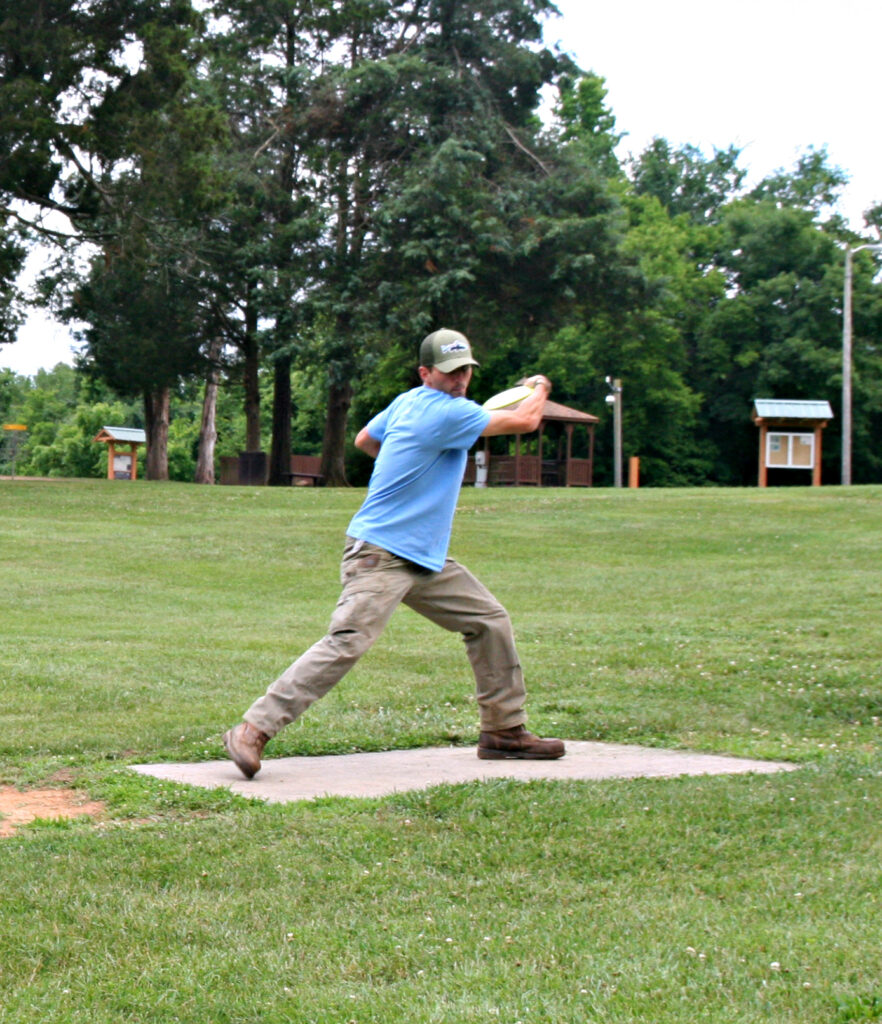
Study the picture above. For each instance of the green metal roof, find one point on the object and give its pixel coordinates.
(791, 409)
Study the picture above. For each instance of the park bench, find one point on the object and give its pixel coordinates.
(306, 470)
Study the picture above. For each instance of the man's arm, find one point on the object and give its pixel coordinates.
(367, 444)
(526, 417)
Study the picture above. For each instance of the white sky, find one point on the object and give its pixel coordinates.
(772, 77)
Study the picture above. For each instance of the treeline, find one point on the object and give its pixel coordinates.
(64, 408)
(257, 210)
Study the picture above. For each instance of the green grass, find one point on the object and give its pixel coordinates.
(140, 620)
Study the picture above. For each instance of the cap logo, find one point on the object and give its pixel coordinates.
(454, 346)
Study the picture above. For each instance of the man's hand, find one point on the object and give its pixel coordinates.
(535, 381)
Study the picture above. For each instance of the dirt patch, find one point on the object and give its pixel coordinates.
(18, 807)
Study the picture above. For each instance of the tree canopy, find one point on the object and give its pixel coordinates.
(287, 196)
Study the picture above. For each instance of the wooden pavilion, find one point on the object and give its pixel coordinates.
(543, 459)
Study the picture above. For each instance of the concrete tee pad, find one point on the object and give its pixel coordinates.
(286, 779)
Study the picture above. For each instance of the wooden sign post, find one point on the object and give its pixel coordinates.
(121, 465)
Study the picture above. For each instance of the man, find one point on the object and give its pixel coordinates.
(396, 552)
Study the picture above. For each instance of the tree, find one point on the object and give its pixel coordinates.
(653, 349)
(63, 413)
(463, 75)
(812, 185)
(280, 451)
(208, 427)
(105, 126)
(260, 60)
(145, 301)
(873, 218)
(585, 118)
(67, 93)
(756, 301)
(684, 181)
(777, 333)
(12, 258)
(140, 338)
(12, 388)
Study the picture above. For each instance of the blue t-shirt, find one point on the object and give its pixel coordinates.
(424, 438)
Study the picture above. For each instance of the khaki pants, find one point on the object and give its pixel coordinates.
(375, 582)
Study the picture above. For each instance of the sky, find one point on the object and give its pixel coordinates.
(771, 77)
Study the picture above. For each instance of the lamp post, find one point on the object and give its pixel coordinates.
(615, 400)
(846, 360)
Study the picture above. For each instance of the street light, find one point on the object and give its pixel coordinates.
(846, 360)
(615, 400)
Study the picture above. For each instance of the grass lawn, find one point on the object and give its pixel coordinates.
(140, 620)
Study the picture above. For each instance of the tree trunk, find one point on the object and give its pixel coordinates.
(156, 406)
(334, 447)
(280, 450)
(208, 427)
(251, 354)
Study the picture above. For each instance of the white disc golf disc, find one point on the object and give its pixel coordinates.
(508, 398)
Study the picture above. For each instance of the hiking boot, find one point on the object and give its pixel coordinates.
(245, 743)
(517, 742)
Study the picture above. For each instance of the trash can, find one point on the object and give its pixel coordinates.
(252, 468)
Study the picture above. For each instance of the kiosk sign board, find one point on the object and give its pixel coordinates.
(122, 466)
(790, 435)
(790, 451)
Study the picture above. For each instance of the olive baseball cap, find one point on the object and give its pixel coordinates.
(447, 350)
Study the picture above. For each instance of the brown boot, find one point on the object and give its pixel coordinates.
(245, 743)
(517, 742)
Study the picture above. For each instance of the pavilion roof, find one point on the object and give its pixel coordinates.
(557, 413)
(564, 414)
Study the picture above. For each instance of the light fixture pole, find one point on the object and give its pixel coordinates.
(846, 360)
(615, 400)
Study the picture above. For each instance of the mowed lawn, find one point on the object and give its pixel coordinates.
(140, 620)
